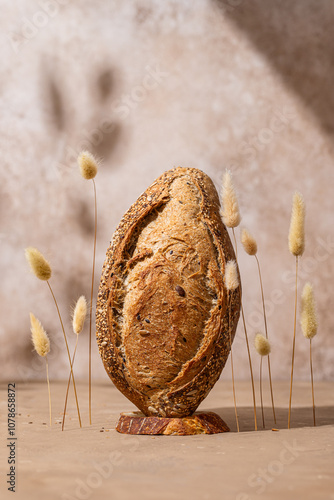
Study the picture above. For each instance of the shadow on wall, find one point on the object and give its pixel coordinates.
(297, 39)
(102, 135)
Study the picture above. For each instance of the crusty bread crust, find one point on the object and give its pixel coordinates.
(162, 309)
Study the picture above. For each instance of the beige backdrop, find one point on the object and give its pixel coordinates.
(148, 85)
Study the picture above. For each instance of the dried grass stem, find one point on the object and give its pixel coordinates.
(313, 403)
(246, 337)
(91, 308)
(49, 391)
(68, 351)
(293, 344)
(232, 369)
(266, 332)
(68, 383)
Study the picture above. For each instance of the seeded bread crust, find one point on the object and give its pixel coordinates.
(162, 309)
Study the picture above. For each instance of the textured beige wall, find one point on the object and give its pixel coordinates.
(149, 85)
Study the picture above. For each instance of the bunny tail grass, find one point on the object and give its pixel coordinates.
(297, 226)
(308, 318)
(41, 344)
(247, 343)
(231, 275)
(309, 326)
(230, 208)
(262, 345)
(68, 383)
(78, 320)
(39, 337)
(296, 247)
(68, 351)
(79, 315)
(248, 242)
(266, 332)
(293, 344)
(263, 348)
(88, 165)
(38, 264)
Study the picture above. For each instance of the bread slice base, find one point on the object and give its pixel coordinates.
(198, 423)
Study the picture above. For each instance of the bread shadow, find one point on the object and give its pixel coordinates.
(300, 417)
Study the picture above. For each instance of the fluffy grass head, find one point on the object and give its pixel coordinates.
(297, 223)
(88, 165)
(248, 242)
(262, 345)
(231, 278)
(39, 336)
(230, 207)
(308, 317)
(79, 315)
(39, 265)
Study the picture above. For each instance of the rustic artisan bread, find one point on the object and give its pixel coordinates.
(162, 315)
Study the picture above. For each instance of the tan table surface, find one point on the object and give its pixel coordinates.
(87, 463)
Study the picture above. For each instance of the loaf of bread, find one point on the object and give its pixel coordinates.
(163, 320)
